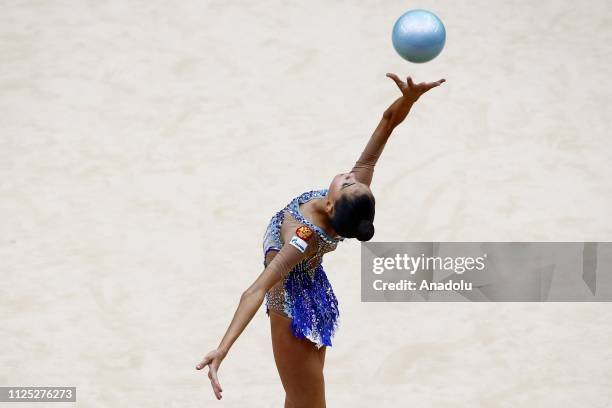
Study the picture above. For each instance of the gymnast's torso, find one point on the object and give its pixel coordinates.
(304, 295)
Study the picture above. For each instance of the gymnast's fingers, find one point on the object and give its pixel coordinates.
(428, 86)
(396, 79)
(214, 381)
(203, 363)
(438, 82)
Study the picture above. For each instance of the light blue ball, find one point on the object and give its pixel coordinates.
(418, 36)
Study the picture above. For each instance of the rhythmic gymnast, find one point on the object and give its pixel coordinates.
(299, 299)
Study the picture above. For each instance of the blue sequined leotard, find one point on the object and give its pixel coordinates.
(304, 294)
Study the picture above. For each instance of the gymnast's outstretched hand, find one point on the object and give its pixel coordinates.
(413, 91)
(213, 361)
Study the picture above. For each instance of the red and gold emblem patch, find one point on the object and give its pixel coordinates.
(304, 232)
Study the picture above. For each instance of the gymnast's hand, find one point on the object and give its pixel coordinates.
(213, 360)
(413, 91)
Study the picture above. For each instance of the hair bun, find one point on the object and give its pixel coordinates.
(365, 230)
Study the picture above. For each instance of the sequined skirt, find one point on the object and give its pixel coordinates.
(304, 295)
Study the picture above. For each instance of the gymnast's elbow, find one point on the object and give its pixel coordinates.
(254, 293)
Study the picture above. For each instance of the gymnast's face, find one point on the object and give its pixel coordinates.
(345, 184)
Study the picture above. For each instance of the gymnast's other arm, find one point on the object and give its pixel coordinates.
(393, 116)
(250, 301)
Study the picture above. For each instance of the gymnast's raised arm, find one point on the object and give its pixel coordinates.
(393, 116)
(250, 301)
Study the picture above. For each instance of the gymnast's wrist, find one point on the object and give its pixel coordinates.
(223, 351)
(410, 99)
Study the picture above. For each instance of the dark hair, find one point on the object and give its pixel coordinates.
(353, 216)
